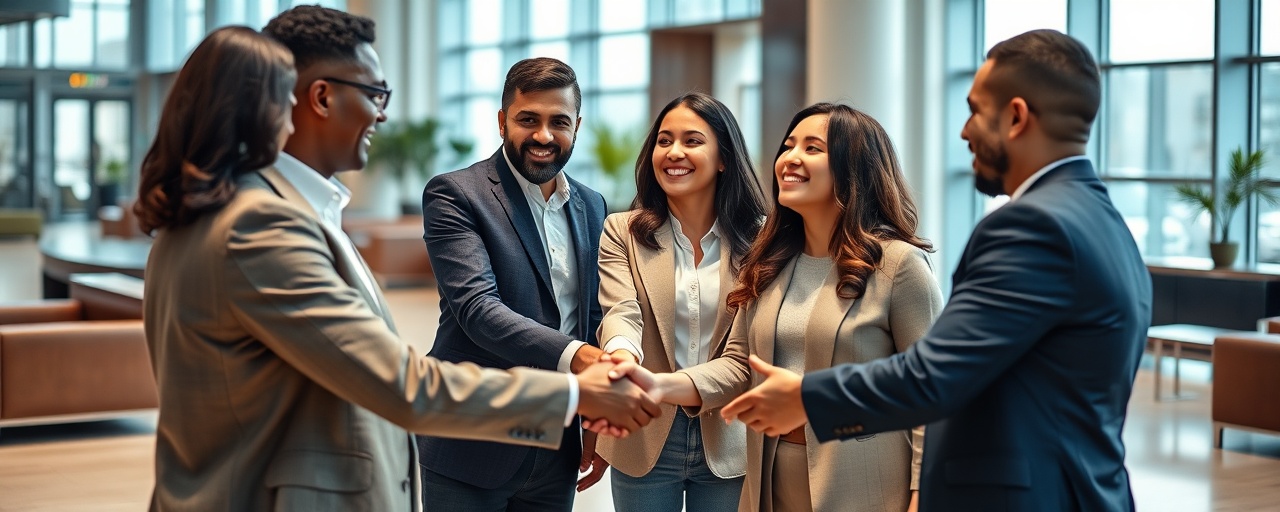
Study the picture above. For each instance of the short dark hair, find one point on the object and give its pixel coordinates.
(192, 166)
(314, 33)
(540, 74)
(1055, 74)
(739, 200)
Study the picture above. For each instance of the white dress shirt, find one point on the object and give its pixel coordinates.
(327, 197)
(1026, 184)
(697, 295)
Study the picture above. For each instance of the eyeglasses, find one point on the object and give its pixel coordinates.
(381, 97)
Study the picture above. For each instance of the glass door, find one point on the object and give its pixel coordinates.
(91, 154)
(16, 189)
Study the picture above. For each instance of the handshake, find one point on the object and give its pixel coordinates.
(616, 395)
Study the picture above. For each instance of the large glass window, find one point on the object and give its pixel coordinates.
(1007, 18)
(1160, 121)
(1160, 30)
(1169, 112)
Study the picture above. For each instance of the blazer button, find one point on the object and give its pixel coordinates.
(404, 485)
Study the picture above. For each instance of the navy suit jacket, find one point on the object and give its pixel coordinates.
(1024, 379)
(497, 308)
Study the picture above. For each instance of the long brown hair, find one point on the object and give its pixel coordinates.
(870, 192)
(220, 120)
(739, 204)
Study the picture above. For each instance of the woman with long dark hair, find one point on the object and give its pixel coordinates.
(666, 267)
(837, 275)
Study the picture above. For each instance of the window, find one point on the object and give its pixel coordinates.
(1169, 114)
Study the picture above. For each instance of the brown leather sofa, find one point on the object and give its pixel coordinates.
(1246, 375)
(56, 367)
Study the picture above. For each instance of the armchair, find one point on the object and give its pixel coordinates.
(1246, 372)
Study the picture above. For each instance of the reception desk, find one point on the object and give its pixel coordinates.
(1190, 291)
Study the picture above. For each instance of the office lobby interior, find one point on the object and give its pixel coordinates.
(1186, 83)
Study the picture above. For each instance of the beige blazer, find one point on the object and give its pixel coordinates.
(637, 296)
(900, 303)
(283, 385)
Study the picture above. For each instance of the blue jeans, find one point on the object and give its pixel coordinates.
(680, 478)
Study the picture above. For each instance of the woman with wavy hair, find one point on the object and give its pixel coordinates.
(836, 275)
(666, 267)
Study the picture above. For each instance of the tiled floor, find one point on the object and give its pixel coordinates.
(107, 465)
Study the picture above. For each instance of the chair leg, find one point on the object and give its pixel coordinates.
(1217, 435)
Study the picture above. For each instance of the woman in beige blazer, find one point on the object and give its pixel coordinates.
(836, 275)
(665, 269)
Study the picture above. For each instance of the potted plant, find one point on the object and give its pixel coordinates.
(412, 147)
(1243, 182)
(615, 154)
(113, 176)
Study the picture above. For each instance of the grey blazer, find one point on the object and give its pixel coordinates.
(637, 294)
(873, 473)
(283, 385)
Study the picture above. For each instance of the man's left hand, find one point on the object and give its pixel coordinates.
(772, 408)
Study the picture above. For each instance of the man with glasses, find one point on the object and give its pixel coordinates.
(305, 403)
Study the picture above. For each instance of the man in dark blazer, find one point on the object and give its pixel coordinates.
(514, 242)
(1025, 377)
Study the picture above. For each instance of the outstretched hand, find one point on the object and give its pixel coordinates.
(774, 407)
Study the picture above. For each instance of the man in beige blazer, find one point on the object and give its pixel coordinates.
(283, 385)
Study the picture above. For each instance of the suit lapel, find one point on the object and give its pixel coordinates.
(764, 326)
(513, 202)
(727, 284)
(577, 212)
(824, 324)
(657, 273)
(347, 268)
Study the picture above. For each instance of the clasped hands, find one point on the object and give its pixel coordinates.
(773, 408)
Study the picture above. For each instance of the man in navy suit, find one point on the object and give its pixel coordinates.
(1024, 379)
(514, 244)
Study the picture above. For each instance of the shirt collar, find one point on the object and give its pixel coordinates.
(319, 192)
(713, 234)
(1031, 180)
(534, 192)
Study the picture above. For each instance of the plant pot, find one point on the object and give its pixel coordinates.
(1223, 253)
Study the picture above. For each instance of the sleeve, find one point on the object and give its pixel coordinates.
(1017, 285)
(914, 302)
(618, 298)
(465, 277)
(722, 379)
(284, 289)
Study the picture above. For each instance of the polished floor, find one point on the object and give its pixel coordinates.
(107, 465)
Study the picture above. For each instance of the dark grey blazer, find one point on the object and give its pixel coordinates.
(1025, 378)
(497, 307)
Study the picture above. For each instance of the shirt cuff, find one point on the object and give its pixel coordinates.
(573, 400)
(566, 357)
(621, 342)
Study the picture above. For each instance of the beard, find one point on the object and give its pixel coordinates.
(994, 158)
(537, 174)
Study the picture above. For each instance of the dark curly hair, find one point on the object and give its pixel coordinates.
(315, 33)
(196, 157)
(871, 193)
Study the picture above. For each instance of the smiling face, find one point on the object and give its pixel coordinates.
(686, 157)
(803, 170)
(355, 112)
(982, 131)
(538, 131)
